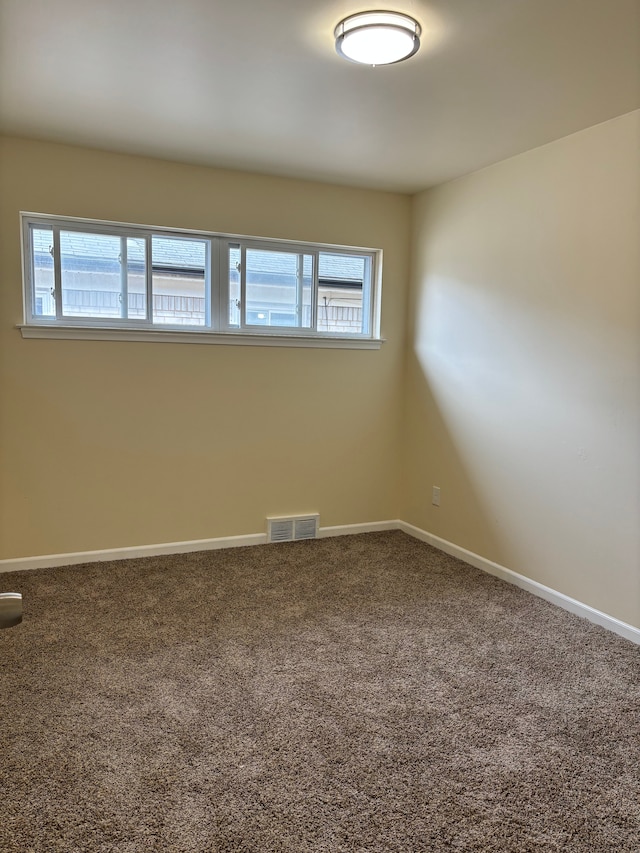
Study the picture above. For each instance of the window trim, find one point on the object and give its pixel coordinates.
(219, 329)
(49, 331)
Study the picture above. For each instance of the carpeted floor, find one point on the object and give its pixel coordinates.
(359, 694)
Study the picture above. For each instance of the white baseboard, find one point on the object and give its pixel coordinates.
(351, 529)
(48, 561)
(629, 632)
(551, 595)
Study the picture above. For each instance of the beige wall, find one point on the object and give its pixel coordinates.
(110, 444)
(520, 393)
(523, 377)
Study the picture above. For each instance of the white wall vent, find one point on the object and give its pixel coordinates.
(292, 528)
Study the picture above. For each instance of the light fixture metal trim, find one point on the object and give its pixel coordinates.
(403, 29)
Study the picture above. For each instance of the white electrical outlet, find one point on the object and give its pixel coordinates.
(435, 496)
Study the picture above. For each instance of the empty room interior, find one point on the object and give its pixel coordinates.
(320, 426)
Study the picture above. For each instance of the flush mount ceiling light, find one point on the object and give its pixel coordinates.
(377, 38)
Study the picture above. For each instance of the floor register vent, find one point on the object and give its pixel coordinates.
(292, 528)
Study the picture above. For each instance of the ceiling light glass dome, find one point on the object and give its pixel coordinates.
(377, 38)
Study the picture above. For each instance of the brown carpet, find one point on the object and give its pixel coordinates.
(363, 693)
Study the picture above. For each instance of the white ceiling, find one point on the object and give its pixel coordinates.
(257, 85)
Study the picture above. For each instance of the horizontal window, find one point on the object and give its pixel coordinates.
(84, 274)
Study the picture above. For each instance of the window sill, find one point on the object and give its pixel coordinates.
(173, 336)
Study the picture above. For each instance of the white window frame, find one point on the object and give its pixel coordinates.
(217, 328)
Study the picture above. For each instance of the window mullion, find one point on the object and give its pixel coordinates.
(207, 284)
(216, 283)
(29, 296)
(124, 279)
(148, 267)
(243, 286)
(366, 298)
(315, 283)
(370, 298)
(57, 272)
(299, 289)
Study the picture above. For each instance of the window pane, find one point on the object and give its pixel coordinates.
(44, 304)
(179, 268)
(91, 281)
(344, 289)
(278, 288)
